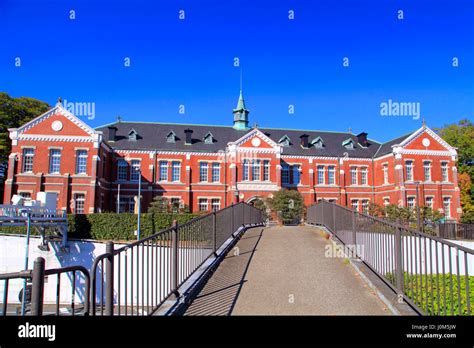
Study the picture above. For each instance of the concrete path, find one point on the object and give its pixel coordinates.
(284, 271)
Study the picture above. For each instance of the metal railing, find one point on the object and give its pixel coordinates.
(433, 275)
(37, 278)
(137, 278)
(454, 230)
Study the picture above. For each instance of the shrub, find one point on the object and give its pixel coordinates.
(112, 226)
(288, 204)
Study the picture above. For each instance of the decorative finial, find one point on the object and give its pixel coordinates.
(423, 122)
(349, 130)
(60, 100)
(255, 125)
(240, 79)
(119, 119)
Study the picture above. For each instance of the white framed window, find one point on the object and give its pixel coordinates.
(216, 172)
(427, 170)
(266, 170)
(444, 172)
(203, 171)
(296, 174)
(385, 173)
(202, 204)
(163, 171)
(245, 170)
(331, 175)
(28, 155)
(429, 202)
(81, 161)
(409, 170)
(354, 176)
(79, 203)
(355, 204)
(175, 171)
(127, 204)
(256, 170)
(285, 174)
(215, 204)
(25, 195)
(447, 206)
(54, 161)
(365, 206)
(122, 168)
(320, 175)
(135, 170)
(363, 176)
(411, 203)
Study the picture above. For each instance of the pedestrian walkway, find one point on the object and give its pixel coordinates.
(284, 271)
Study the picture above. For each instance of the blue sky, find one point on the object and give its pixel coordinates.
(284, 62)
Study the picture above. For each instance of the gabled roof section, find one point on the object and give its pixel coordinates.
(316, 141)
(429, 131)
(348, 143)
(255, 132)
(208, 138)
(61, 110)
(133, 135)
(285, 140)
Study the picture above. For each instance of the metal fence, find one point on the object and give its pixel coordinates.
(32, 298)
(433, 275)
(137, 278)
(454, 230)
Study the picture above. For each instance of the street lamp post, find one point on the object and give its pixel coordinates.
(139, 210)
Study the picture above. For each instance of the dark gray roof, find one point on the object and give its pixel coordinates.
(152, 136)
(386, 148)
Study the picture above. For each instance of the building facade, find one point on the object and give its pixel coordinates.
(210, 167)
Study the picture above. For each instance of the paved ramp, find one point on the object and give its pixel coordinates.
(284, 271)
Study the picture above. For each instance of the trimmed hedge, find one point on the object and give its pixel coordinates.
(112, 226)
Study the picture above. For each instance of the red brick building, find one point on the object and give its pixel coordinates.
(209, 167)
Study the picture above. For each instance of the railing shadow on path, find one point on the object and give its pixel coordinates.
(218, 294)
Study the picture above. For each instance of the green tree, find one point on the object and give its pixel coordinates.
(159, 205)
(15, 112)
(259, 203)
(461, 136)
(288, 204)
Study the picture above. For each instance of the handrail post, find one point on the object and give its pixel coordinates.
(109, 283)
(37, 287)
(354, 233)
(322, 214)
(232, 216)
(174, 258)
(334, 217)
(398, 258)
(214, 233)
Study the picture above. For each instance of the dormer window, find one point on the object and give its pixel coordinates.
(208, 138)
(133, 135)
(284, 141)
(171, 137)
(348, 144)
(317, 143)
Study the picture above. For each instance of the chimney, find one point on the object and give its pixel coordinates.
(188, 133)
(362, 139)
(112, 133)
(304, 141)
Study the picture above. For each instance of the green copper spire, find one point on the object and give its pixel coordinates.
(240, 103)
(241, 113)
